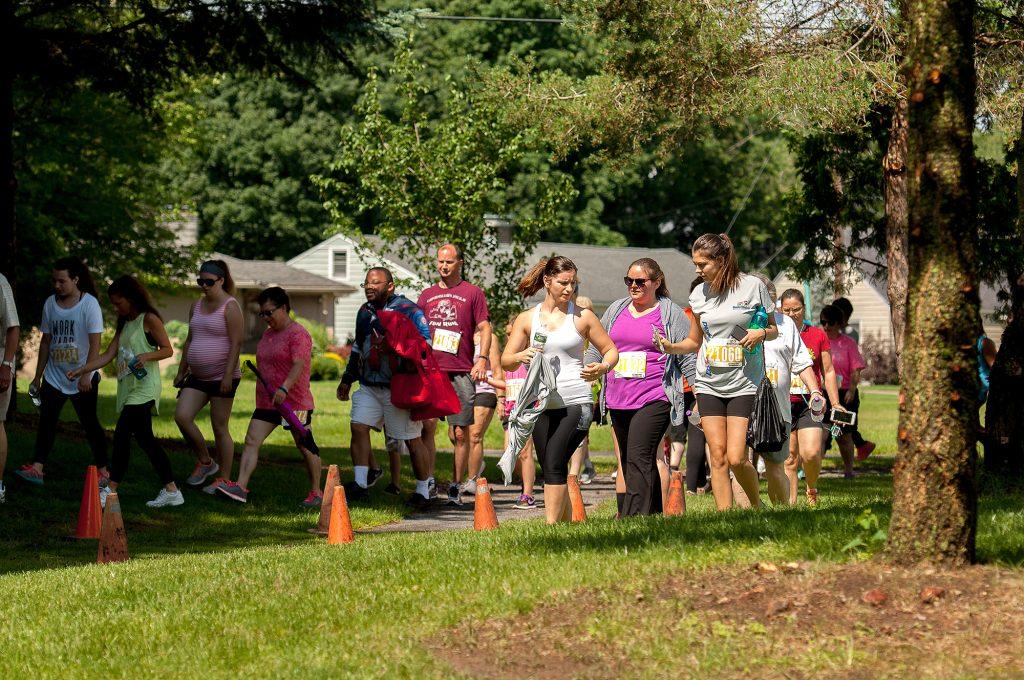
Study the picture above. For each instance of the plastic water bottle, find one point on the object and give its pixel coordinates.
(130, 360)
(816, 405)
(33, 394)
(540, 336)
(758, 322)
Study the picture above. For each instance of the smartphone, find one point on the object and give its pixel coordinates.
(844, 417)
(739, 332)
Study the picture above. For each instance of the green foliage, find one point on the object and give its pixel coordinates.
(177, 331)
(246, 373)
(424, 182)
(870, 539)
(318, 333)
(325, 368)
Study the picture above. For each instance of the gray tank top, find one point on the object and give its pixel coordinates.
(564, 349)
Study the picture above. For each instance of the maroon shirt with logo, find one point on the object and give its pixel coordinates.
(453, 315)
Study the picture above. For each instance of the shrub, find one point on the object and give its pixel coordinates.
(177, 331)
(110, 370)
(880, 357)
(325, 367)
(171, 372)
(318, 332)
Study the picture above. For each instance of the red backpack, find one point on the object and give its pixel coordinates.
(427, 393)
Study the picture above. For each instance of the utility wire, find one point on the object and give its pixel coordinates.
(749, 191)
(514, 20)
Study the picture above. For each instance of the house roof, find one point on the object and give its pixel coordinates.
(265, 273)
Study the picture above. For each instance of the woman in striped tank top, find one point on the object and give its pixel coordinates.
(209, 370)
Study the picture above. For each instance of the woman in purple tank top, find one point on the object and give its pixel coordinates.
(209, 371)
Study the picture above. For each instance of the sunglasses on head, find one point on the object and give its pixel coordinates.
(640, 283)
(267, 313)
(205, 283)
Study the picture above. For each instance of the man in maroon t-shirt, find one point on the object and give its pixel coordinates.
(455, 309)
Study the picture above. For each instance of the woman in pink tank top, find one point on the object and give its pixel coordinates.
(209, 371)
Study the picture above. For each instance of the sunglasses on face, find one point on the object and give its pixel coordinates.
(630, 282)
(205, 283)
(267, 313)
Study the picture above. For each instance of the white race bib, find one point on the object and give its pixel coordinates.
(723, 353)
(446, 341)
(797, 386)
(513, 387)
(773, 375)
(631, 365)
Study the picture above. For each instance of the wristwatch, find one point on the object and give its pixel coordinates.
(9, 363)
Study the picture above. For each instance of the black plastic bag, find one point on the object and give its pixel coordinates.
(766, 432)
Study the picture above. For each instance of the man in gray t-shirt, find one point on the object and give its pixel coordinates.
(10, 334)
(723, 369)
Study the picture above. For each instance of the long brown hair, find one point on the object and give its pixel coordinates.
(719, 247)
(137, 296)
(548, 266)
(77, 269)
(653, 270)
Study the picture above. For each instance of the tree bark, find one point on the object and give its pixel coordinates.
(8, 184)
(1004, 416)
(839, 278)
(894, 168)
(935, 500)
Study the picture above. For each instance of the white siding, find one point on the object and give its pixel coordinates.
(870, 310)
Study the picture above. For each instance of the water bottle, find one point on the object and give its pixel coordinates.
(540, 336)
(816, 404)
(130, 360)
(757, 322)
(33, 394)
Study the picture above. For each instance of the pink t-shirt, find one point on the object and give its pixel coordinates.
(453, 315)
(634, 335)
(275, 354)
(846, 358)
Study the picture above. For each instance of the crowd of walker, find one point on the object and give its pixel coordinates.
(677, 382)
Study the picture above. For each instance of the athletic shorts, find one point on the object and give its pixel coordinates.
(782, 454)
(466, 389)
(802, 419)
(677, 433)
(730, 407)
(485, 400)
(270, 415)
(5, 400)
(371, 406)
(210, 388)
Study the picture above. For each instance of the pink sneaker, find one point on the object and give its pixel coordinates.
(30, 475)
(314, 500)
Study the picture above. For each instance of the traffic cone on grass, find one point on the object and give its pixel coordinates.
(90, 514)
(324, 523)
(113, 544)
(484, 517)
(340, 530)
(676, 504)
(579, 513)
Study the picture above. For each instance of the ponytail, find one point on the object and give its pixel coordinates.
(548, 266)
(77, 269)
(719, 247)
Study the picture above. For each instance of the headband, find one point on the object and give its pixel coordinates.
(212, 268)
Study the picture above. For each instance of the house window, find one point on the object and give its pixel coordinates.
(339, 264)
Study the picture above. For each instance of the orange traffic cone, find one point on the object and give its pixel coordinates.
(579, 513)
(676, 504)
(113, 545)
(324, 523)
(89, 513)
(340, 530)
(484, 517)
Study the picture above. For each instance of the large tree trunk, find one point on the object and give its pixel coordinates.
(1004, 416)
(8, 185)
(934, 516)
(839, 278)
(894, 167)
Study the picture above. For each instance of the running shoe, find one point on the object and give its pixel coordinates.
(3, 493)
(812, 498)
(372, 476)
(30, 474)
(104, 478)
(314, 500)
(864, 450)
(469, 488)
(453, 495)
(416, 501)
(393, 489)
(589, 473)
(217, 483)
(432, 487)
(165, 498)
(525, 502)
(234, 491)
(615, 474)
(104, 492)
(354, 492)
(202, 471)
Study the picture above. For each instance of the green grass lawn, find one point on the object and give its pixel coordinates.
(219, 588)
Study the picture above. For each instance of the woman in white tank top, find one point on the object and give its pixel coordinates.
(558, 331)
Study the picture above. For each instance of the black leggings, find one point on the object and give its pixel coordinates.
(639, 433)
(696, 460)
(556, 436)
(137, 421)
(85, 407)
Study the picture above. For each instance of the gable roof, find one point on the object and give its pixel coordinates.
(265, 273)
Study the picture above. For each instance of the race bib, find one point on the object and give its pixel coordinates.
(773, 375)
(65, 354)
(446, 341)
(797, 386)
(513, 387)
(631, 365)
(723, 353)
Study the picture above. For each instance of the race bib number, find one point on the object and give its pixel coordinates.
(724, 354)
(446, 341)
(513, 387)
(797, 386)
(773, 375)
(65, 354)
(631, 365)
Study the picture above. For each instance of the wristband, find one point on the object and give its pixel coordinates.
(486, 360)
(282, 388)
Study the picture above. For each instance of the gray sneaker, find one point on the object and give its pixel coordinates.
(202, 471)
(453, 495)
(166, 498)
(212, 488)
(432, 488)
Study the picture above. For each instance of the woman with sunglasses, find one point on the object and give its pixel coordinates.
(283, 357)
(209, 371)
(848, 363)
(730, 361)
(807, 439)
(641, 406)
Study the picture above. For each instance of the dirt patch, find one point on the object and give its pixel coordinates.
(766, 620)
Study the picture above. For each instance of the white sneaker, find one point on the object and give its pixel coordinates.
(104, 492)
(431, 488)
(165, 498)
(761, 469)
(469, 488)
(3, 493)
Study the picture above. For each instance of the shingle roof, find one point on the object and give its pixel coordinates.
(265, 273)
